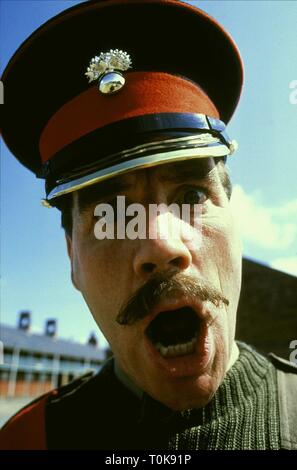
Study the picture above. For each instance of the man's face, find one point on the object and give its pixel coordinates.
(109, 272)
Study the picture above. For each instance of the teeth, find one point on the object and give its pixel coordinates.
(177, 349)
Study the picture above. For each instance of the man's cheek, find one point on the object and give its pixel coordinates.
(87, 274)
(216, 241)
(222, 235)
(222, 255)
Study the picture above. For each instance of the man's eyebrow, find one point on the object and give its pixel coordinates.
(102, 190)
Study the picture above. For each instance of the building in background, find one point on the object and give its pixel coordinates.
(267, 311)
(36, 363)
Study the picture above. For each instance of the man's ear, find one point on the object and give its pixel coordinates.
(70, 254)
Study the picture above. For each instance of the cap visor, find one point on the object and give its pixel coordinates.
(218, 150)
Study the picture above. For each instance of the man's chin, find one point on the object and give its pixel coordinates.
(187, 393)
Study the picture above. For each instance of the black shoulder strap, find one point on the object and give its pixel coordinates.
(287, 399)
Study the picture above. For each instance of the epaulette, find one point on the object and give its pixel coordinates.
(282, 364)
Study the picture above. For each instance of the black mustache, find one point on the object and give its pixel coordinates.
(166, 285)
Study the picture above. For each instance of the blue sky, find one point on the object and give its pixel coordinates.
(34, 266)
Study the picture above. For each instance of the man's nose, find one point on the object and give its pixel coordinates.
(161, 254)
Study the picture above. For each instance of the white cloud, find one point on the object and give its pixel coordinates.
(265, 227)
(288, 265)
(288, 209)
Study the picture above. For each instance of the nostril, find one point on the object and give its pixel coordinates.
(178, 262)
(148, 268)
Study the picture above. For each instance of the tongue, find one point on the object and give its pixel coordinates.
(174, 327)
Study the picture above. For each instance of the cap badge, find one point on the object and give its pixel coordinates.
(107, 68)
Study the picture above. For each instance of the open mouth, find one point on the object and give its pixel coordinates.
(175, 332)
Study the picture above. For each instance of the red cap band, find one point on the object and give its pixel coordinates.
(144, 93)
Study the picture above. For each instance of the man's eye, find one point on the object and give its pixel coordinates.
(193, 196)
